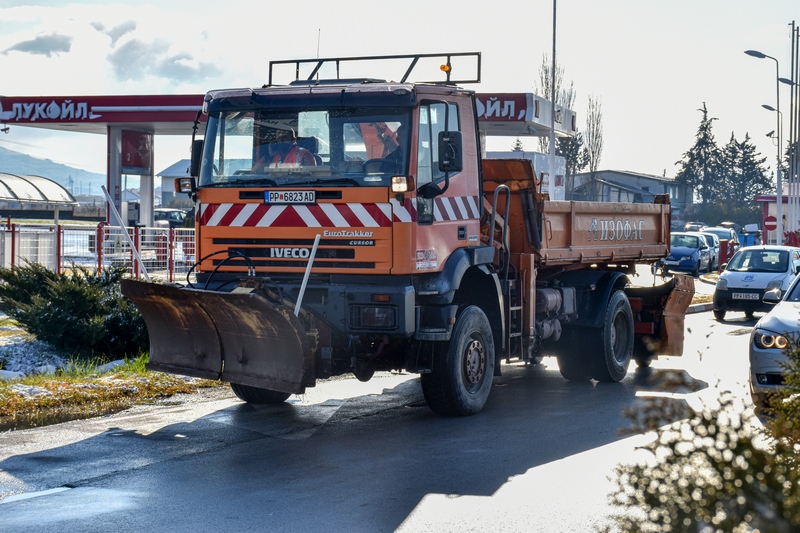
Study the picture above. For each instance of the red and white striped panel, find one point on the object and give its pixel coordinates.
(350, 215)
(328, 215)
(444, 208)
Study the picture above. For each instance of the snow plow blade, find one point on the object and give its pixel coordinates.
(236, 337)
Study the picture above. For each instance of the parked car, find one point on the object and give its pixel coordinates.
(713, 243)
(166, 217)
(752, 272)
(773, 334)
(688, 252)
(732, 225)
(727, 234)
(693, 226)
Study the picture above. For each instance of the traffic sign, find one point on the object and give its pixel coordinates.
(770, 223)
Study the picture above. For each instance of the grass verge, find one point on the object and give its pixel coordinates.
(79, 393)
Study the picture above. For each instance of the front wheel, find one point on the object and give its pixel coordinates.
(719, 314)
(461, 375)
(256, 395)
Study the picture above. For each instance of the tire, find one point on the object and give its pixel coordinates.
(749, 314)
(571, 354)
(696, 271)
(461, 375)
(610, 360)
(719, 314)
(256, 395)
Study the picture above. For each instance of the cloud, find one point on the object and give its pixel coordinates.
(183, 67)
(137, 60)
(46, 45)
(117, 31)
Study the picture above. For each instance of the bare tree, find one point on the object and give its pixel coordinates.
(564, 97)
(593, 143)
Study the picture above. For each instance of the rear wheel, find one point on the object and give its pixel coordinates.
(461, 375)
(571, 354)
(256, 395)
(611, 358)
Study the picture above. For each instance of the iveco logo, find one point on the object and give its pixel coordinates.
(295, 253)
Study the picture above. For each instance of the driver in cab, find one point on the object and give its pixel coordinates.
(284, 151)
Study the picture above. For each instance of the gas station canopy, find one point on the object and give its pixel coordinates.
(129, 122)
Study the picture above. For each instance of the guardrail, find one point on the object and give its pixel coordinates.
(167, 254)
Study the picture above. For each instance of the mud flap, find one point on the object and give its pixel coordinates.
(237, 337)
(675, 314)
(665, 304)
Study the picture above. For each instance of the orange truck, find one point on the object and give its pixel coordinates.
(386, 242)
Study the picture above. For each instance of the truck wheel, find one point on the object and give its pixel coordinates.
(612, 357)
(461, 375)
(571, 354)
(258, 396)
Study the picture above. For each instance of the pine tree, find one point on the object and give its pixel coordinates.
(517, 146)
(753, 178)
(700, 167)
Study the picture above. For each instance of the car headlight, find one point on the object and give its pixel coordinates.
(766, 340)
(722, 285)
(776, 284)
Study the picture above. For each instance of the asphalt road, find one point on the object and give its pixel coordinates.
(351, 456)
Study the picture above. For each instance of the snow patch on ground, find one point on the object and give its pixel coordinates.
(20, 354)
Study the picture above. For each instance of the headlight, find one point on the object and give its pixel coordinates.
(766, 340)
(774, 284)
(722, 285)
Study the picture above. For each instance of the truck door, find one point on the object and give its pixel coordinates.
(452, 219)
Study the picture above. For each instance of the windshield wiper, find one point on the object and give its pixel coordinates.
(241, 181)
(331, 181)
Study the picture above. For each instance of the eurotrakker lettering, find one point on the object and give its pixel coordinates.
(346, 233)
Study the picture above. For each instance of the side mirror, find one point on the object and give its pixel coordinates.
(772, 296)
(451, 156)
(197, 155)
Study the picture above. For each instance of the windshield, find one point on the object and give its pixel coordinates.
(687, 241)
(760, 261)
(356, 146)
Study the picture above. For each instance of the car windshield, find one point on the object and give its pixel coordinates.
(284, 147)
(687, 241)
(760, 261)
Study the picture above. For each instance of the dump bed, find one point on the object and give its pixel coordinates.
(560, 233)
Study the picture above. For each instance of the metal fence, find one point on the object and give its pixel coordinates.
(167, 254)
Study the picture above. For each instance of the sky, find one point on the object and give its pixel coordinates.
(650, 64)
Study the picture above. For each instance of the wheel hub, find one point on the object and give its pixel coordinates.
(475, 362)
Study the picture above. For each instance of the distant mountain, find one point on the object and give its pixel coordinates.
(75, 180)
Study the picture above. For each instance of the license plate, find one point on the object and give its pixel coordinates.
(671, 263)
(745, 296)
(290, 197)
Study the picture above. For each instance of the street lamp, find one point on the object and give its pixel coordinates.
(779, 197)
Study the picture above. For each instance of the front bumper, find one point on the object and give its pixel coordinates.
(684, 265)
(735, 299)
(766, 373)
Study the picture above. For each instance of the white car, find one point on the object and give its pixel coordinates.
(776, 332)
(750, 273)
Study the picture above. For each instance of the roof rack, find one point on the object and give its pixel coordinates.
(414, 59)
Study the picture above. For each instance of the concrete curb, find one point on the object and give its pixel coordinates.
(699, 308)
